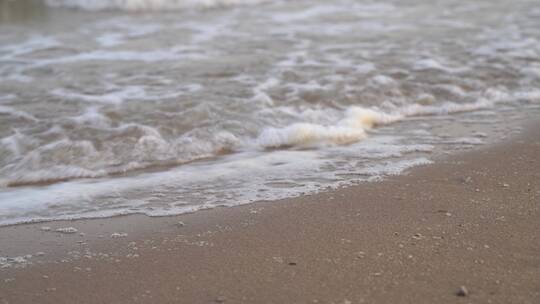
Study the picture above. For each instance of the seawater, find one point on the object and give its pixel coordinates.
(169, 106)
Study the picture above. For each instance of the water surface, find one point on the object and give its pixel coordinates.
(162, 107)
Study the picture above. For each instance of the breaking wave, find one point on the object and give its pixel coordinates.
(355, 124)
(152, 150)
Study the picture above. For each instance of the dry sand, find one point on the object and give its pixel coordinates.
(470, 220)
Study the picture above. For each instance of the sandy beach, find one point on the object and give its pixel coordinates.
(269, 151)
(469, 220)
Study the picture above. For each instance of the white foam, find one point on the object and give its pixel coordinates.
(104, 55)
(239, 179)
(530, 95)
(350, 129)
(445, 108)
(355, 124)
(124, 31)
(67, 230)
(15, 262)
(5, 110)
(117, 97)
(91, 116)
(117, 235)
(7, 97)
(429, 64)
(145, 5)
(32, 44)
(52, 174)
(311, 12)
(259, 91)
(68, 159)
(393, 168)
(382, 80)
(305, 134)
(465, 141)
(433, 64)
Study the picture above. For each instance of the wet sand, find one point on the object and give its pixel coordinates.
(470, 220)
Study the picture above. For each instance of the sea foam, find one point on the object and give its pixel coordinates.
(163, 113)
(356, 122)
(145, 5)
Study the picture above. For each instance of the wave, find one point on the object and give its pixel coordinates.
(47, 164)
(145, 5)
(356, 122)
(148, 149)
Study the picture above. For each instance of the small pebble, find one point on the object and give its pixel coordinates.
(221, 299)
(462, 292)
(417, 236)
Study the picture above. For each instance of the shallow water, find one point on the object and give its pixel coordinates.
(162, 107)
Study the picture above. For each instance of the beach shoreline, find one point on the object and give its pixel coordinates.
(467, 220)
